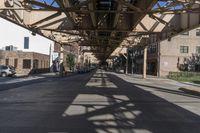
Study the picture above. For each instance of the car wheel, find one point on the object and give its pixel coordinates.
(3, 74)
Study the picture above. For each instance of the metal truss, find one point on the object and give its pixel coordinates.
(102, 25)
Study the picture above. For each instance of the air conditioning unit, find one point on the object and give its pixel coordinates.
(9, 3)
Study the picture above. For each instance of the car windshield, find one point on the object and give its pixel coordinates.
(11, 67)
(4, 67)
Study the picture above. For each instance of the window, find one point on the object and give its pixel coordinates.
(197, 68)
(184, 49)
(4, 67)
(198, 49)
(41, 64)
(47, 64)
(35, 64)
(26, 64)
(26, 42)
(153, 49)
(15, 63)
(197, 32)
(7, 61)
(185, 33)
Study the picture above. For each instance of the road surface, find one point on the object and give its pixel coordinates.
(97, 102)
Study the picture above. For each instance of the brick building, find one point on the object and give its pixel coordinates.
(170, 55)
(25, 62)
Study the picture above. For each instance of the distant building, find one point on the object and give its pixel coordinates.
(174, 54)
(25, 62)
(10, 48)
(67, 49)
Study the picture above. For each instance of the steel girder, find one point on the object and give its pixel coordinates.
(101, 25)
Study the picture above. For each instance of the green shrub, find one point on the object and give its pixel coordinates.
(185, 76)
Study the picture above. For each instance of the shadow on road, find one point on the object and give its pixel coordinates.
(4, 87)
(126, 109)
(113, 106)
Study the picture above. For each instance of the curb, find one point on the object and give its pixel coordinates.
(191, 90)
(20, 76)
(45, 75)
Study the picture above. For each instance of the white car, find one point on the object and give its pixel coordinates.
(7, 71)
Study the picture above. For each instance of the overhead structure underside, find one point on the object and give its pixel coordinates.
(102, 25)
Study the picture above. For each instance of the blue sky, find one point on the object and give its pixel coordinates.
(165, 3)
(161, 4)
(49, 2)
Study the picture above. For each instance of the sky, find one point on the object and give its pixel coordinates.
(11, 34)
(49, 2)
(56, 5)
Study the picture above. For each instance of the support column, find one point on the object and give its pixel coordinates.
(145, 63)
(158, 59)
(127, 62)
(61, 60)
(132, 64)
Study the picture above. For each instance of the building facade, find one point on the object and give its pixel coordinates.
(25, 63)
(179, 53)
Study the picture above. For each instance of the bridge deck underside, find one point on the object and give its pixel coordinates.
(102, 25)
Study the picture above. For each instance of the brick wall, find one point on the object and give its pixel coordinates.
(43, 60)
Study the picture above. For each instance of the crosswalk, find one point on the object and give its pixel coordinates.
(100, 80)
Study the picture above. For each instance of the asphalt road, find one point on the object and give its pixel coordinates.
(101, 102)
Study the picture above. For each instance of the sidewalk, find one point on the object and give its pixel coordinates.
(183, 86)
(45, 75)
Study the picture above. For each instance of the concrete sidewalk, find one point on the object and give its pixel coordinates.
(46, 75)
(184, 86)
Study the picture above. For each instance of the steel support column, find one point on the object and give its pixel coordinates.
(127, 58)
(61, 60)
(145, 63)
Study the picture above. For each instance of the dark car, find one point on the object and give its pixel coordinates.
(7, 70)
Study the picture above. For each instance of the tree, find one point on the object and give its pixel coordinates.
(193, 61)
(70, 60)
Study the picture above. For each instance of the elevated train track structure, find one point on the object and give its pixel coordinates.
(103, 25)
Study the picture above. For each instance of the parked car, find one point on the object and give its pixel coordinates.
(7, 70)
